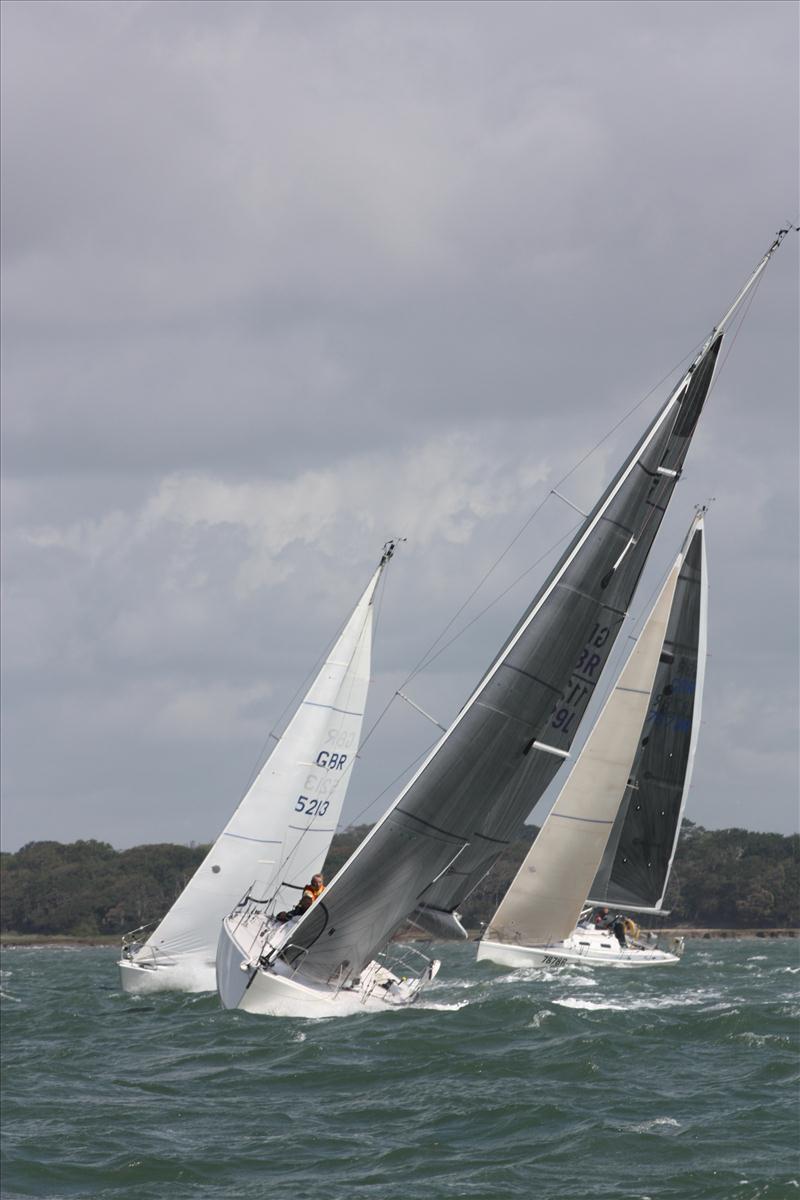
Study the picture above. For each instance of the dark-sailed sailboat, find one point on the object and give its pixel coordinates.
(463, 805)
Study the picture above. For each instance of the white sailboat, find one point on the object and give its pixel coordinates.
(281, 831)
(460, 809)
(616, 819)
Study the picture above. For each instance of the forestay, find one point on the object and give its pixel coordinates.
(546, 896)
(483, 777)
(283, 827)
(638, 858)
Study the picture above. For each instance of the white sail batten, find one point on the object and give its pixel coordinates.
(546, 897)
(282, 829)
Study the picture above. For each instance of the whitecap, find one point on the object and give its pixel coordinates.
(448, 983)
(443, 1007)
(5, 996)
(759, 1039)
(658, 1123)
(539, 1018)
(545, 975)
(631, 1005)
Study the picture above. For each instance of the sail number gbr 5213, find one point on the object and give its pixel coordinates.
(320, 785)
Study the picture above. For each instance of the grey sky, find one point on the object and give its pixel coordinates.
(282, 280)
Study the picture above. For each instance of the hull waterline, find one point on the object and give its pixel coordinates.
(191, 976)
(276, 991)
(583, 949)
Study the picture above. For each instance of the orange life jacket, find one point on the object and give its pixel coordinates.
(312, 892)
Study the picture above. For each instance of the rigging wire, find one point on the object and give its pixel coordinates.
(429, 656)
(424, 661)
(614, 664)
(303, 686)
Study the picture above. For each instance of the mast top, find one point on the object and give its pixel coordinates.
(389, 548)
(779, 236)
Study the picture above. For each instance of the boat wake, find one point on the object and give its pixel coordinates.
(628, 1005)
(441, 1006)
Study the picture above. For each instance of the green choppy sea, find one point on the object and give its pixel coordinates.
(671, 1084)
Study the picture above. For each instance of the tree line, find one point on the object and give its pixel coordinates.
(723, 878)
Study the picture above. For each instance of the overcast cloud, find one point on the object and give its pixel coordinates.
(284, 280)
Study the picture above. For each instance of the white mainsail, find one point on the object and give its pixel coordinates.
(281, 831)
(545, 899)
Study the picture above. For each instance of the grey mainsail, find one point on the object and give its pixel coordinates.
(636, 864)
(483, 777)
(455, 816)
(576, 627)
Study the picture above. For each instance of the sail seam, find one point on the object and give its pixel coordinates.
(244, 838)
(509, 716)
(586, 820)
(437, 828)
(568, 587)
(536, 679)
(346, 712)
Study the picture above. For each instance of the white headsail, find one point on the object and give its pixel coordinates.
(281, 831)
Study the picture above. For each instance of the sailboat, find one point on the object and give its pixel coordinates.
(612, 832)
(462, 806)
(282, 829)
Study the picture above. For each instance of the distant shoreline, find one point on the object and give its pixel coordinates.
(54, 941)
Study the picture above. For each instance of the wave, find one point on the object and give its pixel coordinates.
(657, 1125)
(692, 1000)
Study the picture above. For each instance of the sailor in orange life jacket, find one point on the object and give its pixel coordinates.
(310, 893)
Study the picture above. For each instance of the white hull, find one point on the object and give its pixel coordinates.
(275, 991)
(273, 995)
(192, 975)
(586, 947)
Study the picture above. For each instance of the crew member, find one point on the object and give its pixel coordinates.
(618, 929)
(310, 892)
(601, 919)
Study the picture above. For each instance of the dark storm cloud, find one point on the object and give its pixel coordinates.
(281, 280)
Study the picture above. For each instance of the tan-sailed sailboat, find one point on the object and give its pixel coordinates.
(612, 831)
